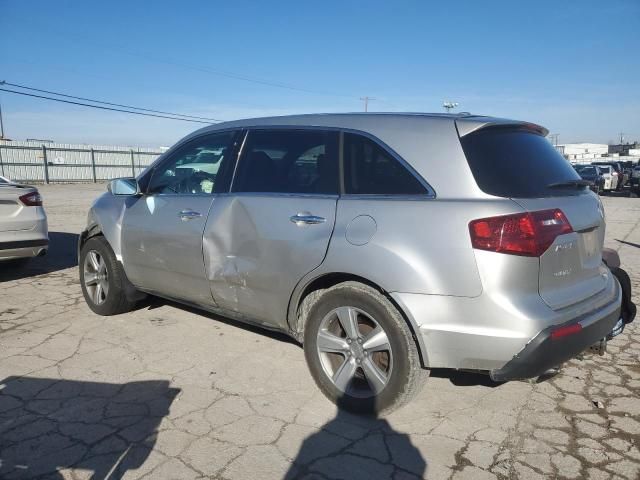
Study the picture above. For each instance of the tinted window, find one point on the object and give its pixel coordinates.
(369, 169)
(289, 161)
(194, 168)
(615, 166)
(509, 162)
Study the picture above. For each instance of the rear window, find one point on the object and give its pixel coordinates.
(517, 163)
(586, 170)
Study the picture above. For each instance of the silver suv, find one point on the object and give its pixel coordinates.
(388, 244)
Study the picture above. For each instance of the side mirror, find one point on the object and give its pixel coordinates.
(124, 186)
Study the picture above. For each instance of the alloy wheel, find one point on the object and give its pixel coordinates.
(96, 277)
(355, 352)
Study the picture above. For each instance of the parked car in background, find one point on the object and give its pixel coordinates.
(628, 169)
(593, 174)
(610, 176)
(623, 174)
(635, 177)
(387, 244)
(618, 172)
(23, 222)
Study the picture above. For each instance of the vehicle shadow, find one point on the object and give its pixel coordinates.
(106, 428)
(357, 447)
(625, 192)
(461, 378)
(62, 254)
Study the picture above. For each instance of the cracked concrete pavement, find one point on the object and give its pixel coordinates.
(168, 392)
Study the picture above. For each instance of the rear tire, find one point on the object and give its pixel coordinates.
(102, 279)
(377, 351)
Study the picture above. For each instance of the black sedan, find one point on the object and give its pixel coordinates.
(593, 174)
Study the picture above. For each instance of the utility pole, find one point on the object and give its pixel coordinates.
(366, 102)
(448, 106)
(1, 124)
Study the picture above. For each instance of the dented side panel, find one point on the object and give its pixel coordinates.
(255, 255)
(105, 216)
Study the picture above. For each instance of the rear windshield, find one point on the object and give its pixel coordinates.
(586, 170)
(612, 165)
(517, 163)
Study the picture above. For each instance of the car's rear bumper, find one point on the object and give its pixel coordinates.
(24, 243)
(23, 248)
(544, 351)
(489, 331)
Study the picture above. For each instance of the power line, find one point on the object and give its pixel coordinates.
(223, 73)
(101, 107)
(107, 103)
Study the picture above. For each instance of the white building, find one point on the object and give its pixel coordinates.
(576, 152)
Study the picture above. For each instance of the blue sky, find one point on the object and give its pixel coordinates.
(569, 65)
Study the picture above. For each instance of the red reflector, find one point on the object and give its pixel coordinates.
(529, 234)
(565, 331)
(33, 199)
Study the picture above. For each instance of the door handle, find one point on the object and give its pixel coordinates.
(306, 219)
(189, 215)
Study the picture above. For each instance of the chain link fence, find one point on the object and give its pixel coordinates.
(40, 162)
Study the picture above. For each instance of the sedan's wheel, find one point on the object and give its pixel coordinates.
(360, 350)
(102, 279)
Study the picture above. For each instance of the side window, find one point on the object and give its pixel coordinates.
(193, 169)
(371, 170)
(289, 161)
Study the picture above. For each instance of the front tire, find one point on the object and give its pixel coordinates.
(360, 350)
(103, 279)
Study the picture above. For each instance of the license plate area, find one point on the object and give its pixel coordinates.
(590, 240)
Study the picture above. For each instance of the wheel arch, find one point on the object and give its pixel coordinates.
(105, 218)
(296, 315)
(91, 231)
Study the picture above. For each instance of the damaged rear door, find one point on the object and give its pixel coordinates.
(275, 225)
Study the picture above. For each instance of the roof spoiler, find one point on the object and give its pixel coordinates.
(469, 125)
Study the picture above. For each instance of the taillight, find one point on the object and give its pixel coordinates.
(528, 234)
(33, 199)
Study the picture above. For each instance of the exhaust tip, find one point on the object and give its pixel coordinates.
(42, 252)
(600, 347)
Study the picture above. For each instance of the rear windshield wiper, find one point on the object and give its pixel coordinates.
(570, 184)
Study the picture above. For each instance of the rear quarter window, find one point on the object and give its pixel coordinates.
(517, 163)
(371, 170)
